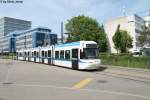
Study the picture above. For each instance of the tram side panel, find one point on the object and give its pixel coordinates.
(46, 55)
(20, 55)
(62, 57)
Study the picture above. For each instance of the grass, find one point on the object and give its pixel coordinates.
(8, 56)
(125, 60)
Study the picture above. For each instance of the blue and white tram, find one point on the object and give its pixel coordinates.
(76, 55)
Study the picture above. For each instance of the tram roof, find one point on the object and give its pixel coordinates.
(74, 43)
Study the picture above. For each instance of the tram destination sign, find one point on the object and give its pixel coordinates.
(91, 45)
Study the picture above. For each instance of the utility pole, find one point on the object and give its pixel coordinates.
(25, 41)
(62, 38)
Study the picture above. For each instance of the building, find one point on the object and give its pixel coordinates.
(147, 21)
(133, 24)
(7, 43)
(16, 34)
(37, 37)
(8, 25)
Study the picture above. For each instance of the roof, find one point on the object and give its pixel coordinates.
(73, 43)
(29, 30)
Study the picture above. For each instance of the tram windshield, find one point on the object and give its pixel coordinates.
(89, 53)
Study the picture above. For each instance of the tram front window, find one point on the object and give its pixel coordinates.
(89, 53)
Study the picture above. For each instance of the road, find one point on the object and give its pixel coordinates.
(21, 80)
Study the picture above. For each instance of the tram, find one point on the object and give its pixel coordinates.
(80, 55)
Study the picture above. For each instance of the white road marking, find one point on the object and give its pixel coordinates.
(87, 90)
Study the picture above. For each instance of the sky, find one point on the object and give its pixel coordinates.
(50, 13)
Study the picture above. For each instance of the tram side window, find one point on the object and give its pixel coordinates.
(49, 53)
(45, 53)
(61, 54)
(20, 54)
(75, 53)
(37, 54)
(34, 53)
(82, 55)
(24, 53)
(28, 53)
(56, 54)
(42, 53)
(67, 54)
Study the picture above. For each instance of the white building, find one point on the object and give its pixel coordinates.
(147, 21)
(133, 24)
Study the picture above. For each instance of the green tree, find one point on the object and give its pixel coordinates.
(86, 28)
(122, 40)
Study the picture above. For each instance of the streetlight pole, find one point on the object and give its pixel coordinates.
(62, 38)
(25, 41)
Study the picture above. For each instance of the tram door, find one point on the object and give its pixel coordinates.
(75, 64)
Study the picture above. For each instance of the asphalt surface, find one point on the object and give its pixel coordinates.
(21, 80)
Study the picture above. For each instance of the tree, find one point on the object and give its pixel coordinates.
(122, 40)
(102, 40)
(144, 37)
(86, 28)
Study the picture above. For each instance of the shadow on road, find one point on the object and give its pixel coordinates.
(102, 68)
